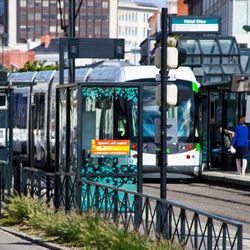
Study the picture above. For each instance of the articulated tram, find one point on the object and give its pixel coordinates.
(34, 111)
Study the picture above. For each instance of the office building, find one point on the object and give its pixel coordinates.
(133, 26)
(234, 15)
(29, 20)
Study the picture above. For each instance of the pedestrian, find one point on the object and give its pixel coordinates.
(240, 142)
(217, 151)
(228, 135)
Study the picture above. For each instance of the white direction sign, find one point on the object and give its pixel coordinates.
(194, 24)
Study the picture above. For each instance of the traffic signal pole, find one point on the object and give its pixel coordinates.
(72, 33)
(164, 79)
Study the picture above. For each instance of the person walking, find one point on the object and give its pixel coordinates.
(240, 142)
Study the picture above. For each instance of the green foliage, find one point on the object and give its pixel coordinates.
(38, 66)
(86, 231)
(19, 208)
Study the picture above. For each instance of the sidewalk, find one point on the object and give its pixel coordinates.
(230, 177)
(12, 239)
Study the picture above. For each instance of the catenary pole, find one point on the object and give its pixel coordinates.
(72, 33)
(164, 79)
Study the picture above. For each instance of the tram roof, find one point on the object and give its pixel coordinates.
(136, 73)
(81, 75)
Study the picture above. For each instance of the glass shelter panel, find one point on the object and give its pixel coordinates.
(109, 135)
(191, 46)
(73, 129)
(62, 129)
(209, 47)
(4, 139)
(228, 47)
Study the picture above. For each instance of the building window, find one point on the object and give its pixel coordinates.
(30, 16)
(52, 3)
(45, 3)
(52, 28)
(97, 30)
(104, 18)
(90, 3)
(45, 17)
(105, 4)
(22, 3)
(38, 3)
(22, 28)
(52, 17)
(240, 8)
(38, 16)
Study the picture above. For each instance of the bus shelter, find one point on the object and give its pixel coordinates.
(215, 61)
(98, 138)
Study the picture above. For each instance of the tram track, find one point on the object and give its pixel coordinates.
(226, 201)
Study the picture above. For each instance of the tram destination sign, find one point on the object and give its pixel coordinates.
(189, 24)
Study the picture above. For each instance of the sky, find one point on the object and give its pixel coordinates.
(160, 3)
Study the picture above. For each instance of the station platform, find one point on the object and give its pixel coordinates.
(227, 177)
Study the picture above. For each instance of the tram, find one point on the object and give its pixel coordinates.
(184, 120)
(34, 108)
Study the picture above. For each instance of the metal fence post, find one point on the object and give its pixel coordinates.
(1, 191)
(20, 181)
(209, 234)
(196, 216)
(183, 220)
(138, 209)
(224, 239)
(115, 212)
(239, 239)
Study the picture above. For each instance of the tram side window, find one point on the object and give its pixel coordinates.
(125, 113)
(39, 115)
(20, 102)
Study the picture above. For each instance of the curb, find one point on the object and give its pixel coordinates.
(34, 239)
(227, 180)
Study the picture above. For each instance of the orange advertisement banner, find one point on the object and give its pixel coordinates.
(110, 147)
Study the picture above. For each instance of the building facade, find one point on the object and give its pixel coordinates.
(234, 15)
(31, 19)
(133, 26)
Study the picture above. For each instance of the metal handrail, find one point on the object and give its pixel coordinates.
(147, 214)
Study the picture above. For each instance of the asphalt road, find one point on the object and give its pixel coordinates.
(222, 200)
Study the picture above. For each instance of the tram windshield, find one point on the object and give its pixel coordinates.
(117, 118)
(181, 118)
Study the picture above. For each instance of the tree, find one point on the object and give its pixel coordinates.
(38, 66)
